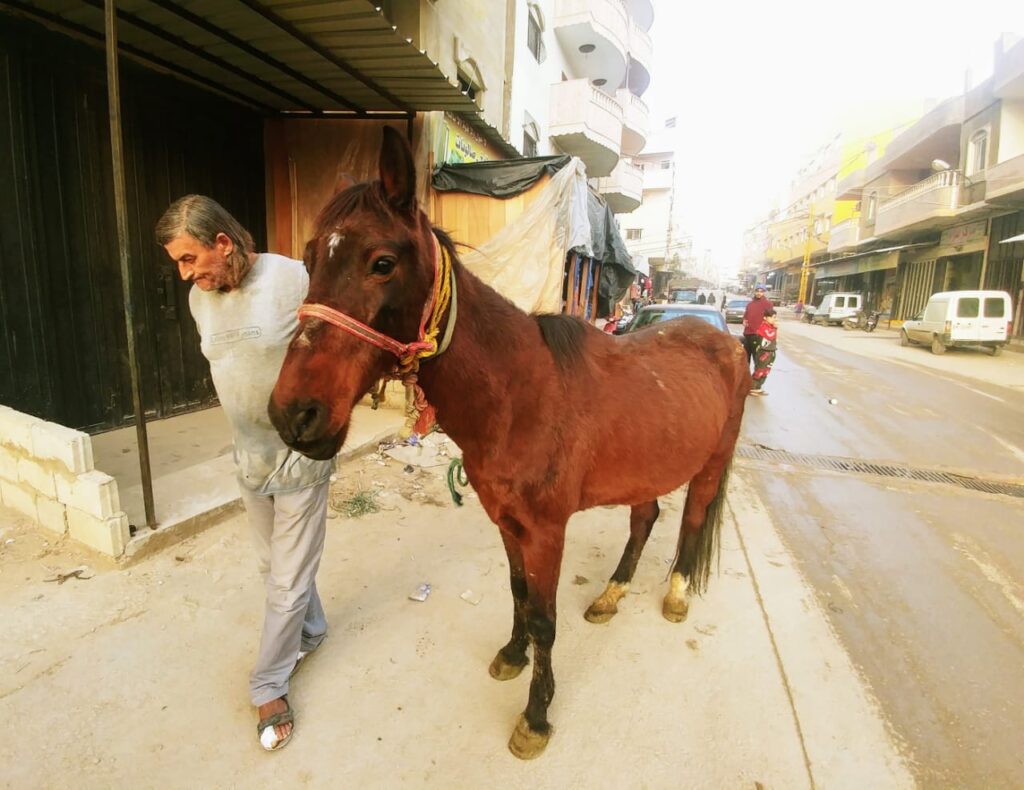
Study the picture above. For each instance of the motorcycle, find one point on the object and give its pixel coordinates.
(862, 320)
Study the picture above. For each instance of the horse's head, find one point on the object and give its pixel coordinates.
(370, 258)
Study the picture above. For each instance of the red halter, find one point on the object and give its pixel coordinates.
(426, 344)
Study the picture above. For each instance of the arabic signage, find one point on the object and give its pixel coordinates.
(961, 234)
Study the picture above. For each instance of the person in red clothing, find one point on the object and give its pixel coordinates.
(765, 346)
(753, 317)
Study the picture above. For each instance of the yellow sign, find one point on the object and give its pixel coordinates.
(463, 144)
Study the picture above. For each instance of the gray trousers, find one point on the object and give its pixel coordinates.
(288, 534)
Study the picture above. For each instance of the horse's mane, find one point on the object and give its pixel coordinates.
(563, 335)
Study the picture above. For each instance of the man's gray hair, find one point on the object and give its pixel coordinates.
(202, 218)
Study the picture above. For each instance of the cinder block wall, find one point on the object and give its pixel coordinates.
(47, 475)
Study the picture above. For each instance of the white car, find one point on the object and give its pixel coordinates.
(961, 318)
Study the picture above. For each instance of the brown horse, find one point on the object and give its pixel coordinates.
(534, 402)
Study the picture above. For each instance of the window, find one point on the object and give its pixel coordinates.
(977, 152)
(968, 307)
(666, 164)
(529, 145)
(632, 234)
(995, 308)
(534, 39)
(467, 87)
(872, 205)
(840, 301)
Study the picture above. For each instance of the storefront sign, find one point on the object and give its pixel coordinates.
(461, 143)
(961, 234)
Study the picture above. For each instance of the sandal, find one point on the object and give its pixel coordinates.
(270, 742)
(302, 656)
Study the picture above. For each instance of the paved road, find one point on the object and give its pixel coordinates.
(923, 582)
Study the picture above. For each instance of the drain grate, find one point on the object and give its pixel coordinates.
(759, 452)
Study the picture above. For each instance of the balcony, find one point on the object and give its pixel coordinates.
(928, 205)
(844, 235)
(623, 189)
(594, 35)
(636, 122)
(586, 122)
(657, 177)
(641, 56)
(1005, 180)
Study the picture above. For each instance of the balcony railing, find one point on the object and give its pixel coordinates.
(636, 121)
(586, 122)
(844, 235)
(935, 197)
(623, 188)
(1006, 178)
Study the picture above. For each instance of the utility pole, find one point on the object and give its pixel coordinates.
(805, 268)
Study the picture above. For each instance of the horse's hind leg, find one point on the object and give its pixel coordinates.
(698, 536)
(641, 520)
(511, 659)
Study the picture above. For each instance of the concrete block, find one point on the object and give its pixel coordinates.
(38, 476)
(107, 535)
(16, 428)
(94, 492)
(52, 515)
(9, 463)
(72, 448)
(19, 497)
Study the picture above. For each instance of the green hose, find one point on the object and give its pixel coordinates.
(456, 476)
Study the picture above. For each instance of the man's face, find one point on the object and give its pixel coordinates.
(207, 267)
(758, 293)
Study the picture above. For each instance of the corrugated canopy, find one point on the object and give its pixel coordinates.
(280, 56)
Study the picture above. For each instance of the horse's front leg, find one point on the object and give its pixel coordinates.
(511, 659)
(541, 546)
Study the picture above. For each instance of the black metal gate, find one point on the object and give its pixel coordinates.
(63, 352)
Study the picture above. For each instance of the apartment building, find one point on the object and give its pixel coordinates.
(940, 208)
(580, 69)
(651, 231)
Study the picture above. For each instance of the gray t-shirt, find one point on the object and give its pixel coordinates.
(244, 334)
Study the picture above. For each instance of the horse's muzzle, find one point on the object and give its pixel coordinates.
(303, 426)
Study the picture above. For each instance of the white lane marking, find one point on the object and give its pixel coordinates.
(978, 392)
(1005, 584)
(1012, 449)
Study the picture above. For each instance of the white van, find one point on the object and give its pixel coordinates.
(834, 307)
(961, 318)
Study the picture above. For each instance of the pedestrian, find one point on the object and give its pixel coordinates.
(711, 299)
(702, 299)
(753, 316)
(765, 347)
(244, 305)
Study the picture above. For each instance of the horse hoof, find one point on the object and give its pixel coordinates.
(501, 669)
(525, 743)
(675, 611)
(595, 615)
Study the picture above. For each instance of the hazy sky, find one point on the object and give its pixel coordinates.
(756, 87)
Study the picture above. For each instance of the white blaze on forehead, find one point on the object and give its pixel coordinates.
(309, 326)
(333, 241)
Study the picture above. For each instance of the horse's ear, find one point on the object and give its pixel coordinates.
(397, 170)
(343, 182)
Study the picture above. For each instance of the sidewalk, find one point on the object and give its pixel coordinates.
(193, 472)
(137, 677)
(1006, 370)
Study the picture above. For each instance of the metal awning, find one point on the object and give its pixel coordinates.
(279, 56)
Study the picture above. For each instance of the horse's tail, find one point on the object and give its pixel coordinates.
(707, 550)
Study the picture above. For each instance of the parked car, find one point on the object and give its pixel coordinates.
(734, 310)
(654, 313)
(961, 318)
(683, 296)
(834, 307)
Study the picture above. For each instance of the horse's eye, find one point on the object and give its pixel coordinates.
(383, 265)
